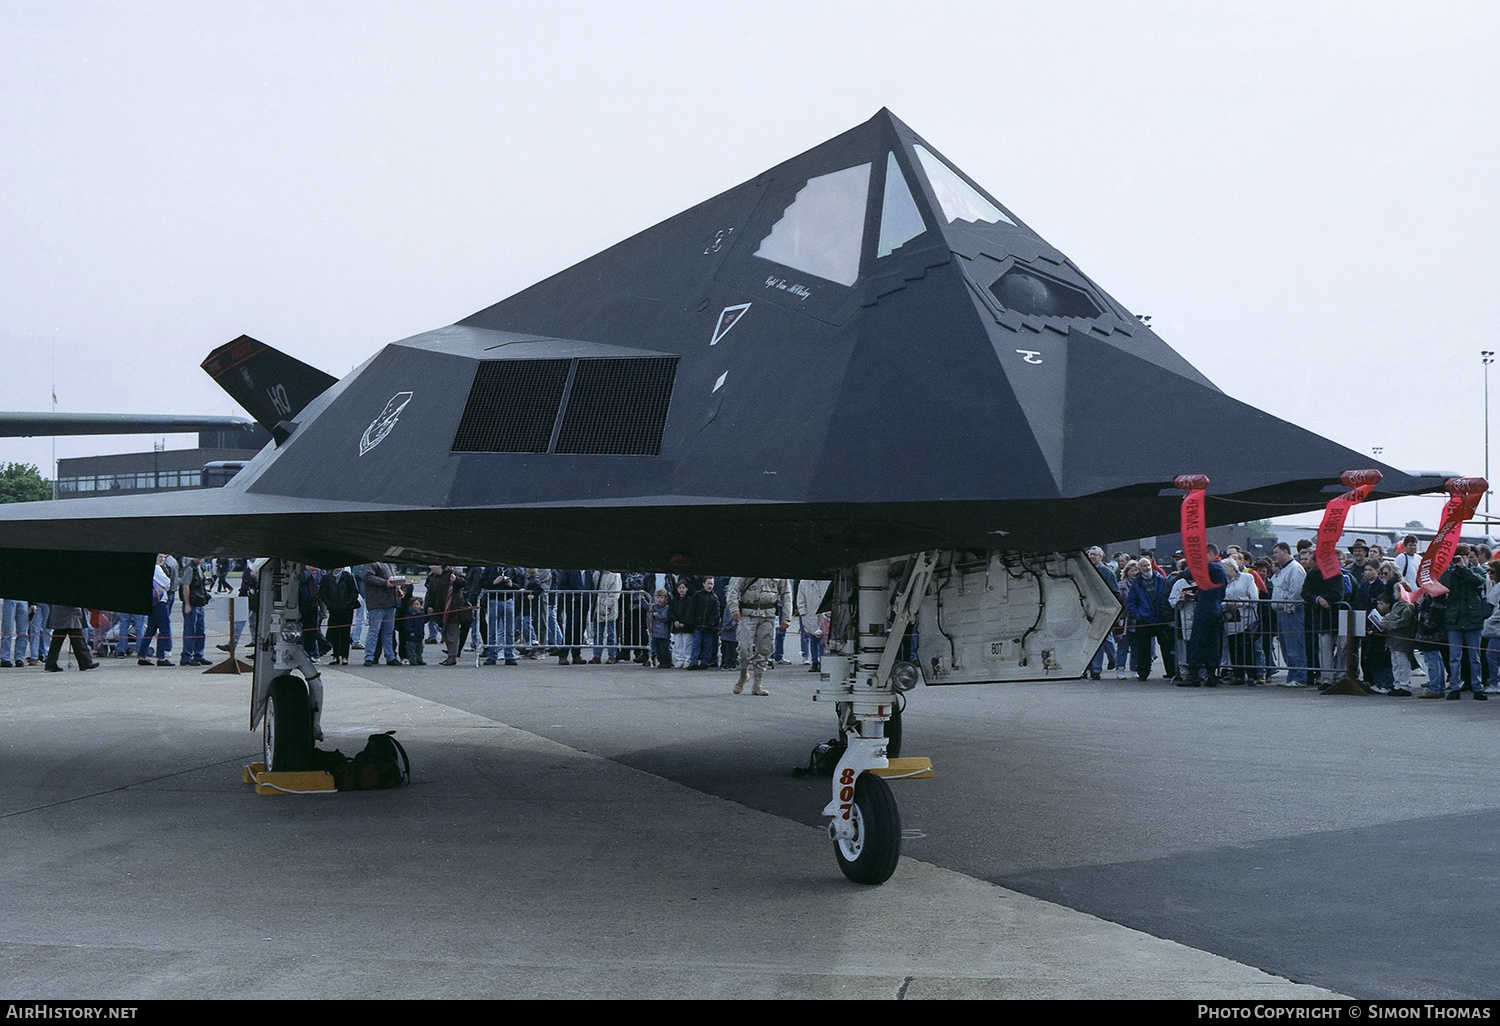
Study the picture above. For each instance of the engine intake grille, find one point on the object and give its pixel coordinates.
(512, 406)
(618, 407)
(601, 407)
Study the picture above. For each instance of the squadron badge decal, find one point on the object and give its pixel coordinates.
(382, 425)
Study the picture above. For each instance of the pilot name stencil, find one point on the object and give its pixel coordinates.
(782, 285)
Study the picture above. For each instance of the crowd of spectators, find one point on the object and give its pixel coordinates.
(496, 613)
(1273, 619)
(1280, 620)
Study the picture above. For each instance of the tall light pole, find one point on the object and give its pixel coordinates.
(1488, 356)
(1376, 450)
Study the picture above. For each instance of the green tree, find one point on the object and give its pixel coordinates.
(1415, 525)
(22, 482)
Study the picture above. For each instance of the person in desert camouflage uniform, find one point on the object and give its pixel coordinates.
(751, 602)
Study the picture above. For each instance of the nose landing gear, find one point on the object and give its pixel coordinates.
(866, 825)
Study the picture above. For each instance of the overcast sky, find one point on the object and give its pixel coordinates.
(1302, 195)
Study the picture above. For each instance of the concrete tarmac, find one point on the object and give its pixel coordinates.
(591, 831)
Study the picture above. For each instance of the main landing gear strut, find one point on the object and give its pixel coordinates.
(287, 699)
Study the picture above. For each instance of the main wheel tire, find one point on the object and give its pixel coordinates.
(288, 726)
(870, 856)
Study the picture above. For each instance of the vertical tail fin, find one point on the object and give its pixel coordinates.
(270, 385)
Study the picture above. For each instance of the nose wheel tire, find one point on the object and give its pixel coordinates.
(288, 726)
(870, 856)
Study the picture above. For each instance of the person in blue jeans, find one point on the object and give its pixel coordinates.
(38, 636)
(1107, 646)
(13, 614)
(195, 597)
(160, 623)
(382, 590)
(501, 590)
(1465, 619)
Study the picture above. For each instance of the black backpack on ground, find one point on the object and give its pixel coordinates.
(823, 760)
(382, 763)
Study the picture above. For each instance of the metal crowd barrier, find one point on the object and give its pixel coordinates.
(617, 622)
(1262, 639)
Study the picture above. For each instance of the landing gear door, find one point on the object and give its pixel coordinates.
(1006, 616)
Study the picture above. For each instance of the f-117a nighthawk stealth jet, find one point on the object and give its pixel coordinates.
(858, 365)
